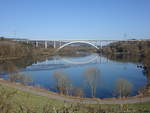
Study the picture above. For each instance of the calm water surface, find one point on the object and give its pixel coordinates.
(75, 69)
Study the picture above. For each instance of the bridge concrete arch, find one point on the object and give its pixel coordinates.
(72, 42)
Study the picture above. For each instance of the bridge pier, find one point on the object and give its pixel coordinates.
(59, 43)
(54, 44)
(36, 44)
(27, 42)
(100, 45)
(45, 44)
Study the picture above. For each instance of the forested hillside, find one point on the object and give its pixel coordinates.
(10, 49)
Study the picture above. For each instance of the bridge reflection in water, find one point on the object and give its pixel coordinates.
(64, 62)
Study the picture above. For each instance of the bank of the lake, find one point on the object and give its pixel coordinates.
(25, 100)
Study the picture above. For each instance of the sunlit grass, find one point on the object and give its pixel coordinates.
(38, 103)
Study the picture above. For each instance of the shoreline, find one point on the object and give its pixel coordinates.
(73, 99)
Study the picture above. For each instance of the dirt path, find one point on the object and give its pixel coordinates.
(77, 100)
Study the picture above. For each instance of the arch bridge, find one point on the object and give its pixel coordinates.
(58, 44)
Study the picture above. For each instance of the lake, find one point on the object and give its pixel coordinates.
(92, 75)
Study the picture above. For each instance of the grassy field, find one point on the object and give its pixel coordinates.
(16, 101)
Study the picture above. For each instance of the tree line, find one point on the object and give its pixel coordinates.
(10, 49)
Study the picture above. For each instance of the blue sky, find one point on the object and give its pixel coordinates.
(75, 19)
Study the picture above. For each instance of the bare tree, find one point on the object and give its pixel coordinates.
(78, 92)
(63, 84)
(92, 77)
(20, 77)
(123, 87)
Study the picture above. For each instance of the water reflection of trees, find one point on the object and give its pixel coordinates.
(13, 73)
(124, 58)
(138, 59)
(92, 78)
(7, 66)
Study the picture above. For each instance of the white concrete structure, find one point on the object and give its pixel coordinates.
(72, 42)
